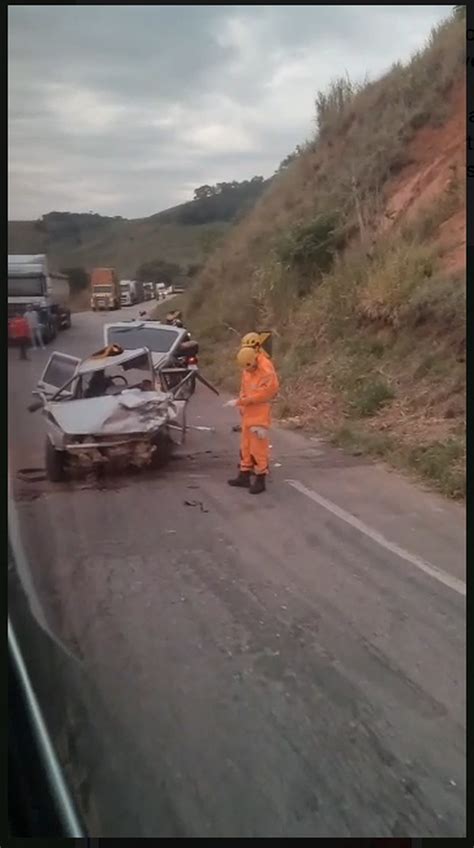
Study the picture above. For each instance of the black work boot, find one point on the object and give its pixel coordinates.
(242, 480)
(258, 484)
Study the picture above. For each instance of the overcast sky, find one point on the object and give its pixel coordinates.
(124, 110)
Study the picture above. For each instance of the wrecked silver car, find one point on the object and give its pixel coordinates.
(108, 408)
(173, 352)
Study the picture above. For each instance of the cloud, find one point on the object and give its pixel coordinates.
(221, 138)
(125, 109)
(76, 109)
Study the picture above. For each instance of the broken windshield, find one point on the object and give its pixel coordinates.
(157, 339)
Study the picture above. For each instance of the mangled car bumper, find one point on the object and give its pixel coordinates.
(111, 427)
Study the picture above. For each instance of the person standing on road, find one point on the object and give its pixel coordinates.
(259, 386)
(36, 330)
(255, 340)
(19, 331)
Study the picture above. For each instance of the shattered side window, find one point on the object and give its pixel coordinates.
(59, 370)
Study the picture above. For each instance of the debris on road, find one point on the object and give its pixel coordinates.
(32, 475)
(294, 423)
(196, 503)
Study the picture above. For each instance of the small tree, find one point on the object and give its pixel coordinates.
(159, 270)
(289, 159)
(78, 279)
(204, 191)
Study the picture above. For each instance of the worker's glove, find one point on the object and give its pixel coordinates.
(260, 432)
(232, 403)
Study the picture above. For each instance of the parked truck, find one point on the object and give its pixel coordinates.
(30, 281)
(105, 289)
(140, 291)
(149, 291)
(128, 292)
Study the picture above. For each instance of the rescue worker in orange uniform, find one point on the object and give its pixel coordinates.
(255, 340)
(258, 388)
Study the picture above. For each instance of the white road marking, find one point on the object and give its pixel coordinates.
(442, 576)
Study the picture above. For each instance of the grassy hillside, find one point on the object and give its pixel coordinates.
(184, 235)
(355, 256)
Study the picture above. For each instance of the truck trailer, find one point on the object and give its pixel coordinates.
(149, 291)
(31, 282)
(140, 291)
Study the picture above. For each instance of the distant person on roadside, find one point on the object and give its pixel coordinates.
(19, 331)
(36, 330)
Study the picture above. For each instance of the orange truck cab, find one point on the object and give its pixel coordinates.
(105, 289)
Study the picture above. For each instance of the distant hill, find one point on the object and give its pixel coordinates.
(184, 234)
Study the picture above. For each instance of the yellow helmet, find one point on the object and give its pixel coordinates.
(251, 340)
(247, 357)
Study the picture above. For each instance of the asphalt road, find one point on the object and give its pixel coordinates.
(285, 665)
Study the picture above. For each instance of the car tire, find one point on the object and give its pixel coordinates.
(55, 465)
(164, 447)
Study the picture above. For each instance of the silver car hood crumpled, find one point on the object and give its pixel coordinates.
(130, 412)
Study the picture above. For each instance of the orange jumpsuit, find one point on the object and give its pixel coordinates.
(257, 389)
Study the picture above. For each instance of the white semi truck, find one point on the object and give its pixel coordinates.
(30, 281)
(128, 293)
(149, 291)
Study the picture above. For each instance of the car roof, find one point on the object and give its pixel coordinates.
(91, 364)
(139, 323)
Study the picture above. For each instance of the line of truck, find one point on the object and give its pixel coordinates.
(32, 282)
(108, 292)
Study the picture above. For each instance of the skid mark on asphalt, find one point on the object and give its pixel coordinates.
(432, 570)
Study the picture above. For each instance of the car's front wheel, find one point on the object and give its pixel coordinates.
(163, 450)
(55, 463)
(52, 331)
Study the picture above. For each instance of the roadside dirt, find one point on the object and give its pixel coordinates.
(437, 164)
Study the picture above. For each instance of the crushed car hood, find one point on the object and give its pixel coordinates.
(131, 412)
